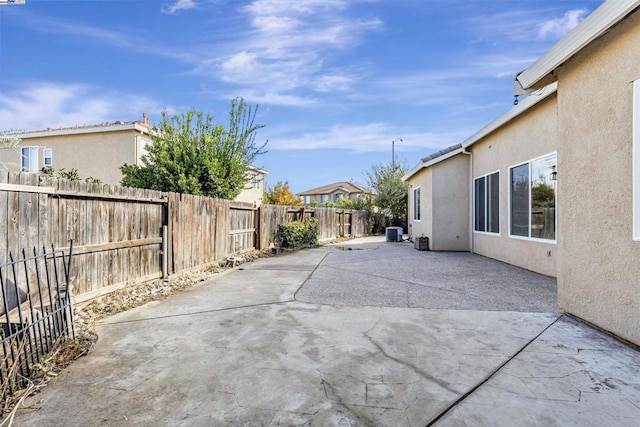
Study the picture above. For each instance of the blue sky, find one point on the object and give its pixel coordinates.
(335, 80)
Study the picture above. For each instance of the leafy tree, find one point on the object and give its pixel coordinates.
(9, 142)
(71, 174)
(191, 154)
(391, 193)
(281, 195)
(543, 196)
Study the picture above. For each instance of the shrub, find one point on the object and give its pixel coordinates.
(297, 233)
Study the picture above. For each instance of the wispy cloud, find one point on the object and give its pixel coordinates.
(288, 46)
(40, 105)
(558, 27)
(179, 5)
(88, 33)
(370, 137)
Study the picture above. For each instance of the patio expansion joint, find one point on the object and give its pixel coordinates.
(491, 375)
(193, 313)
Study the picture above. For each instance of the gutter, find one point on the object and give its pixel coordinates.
(470, 180)
(598, 23)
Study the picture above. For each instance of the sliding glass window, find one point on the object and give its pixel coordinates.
(487, 203)
(533, 198)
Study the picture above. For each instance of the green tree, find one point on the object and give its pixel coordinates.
(71, 174)
(9, 142)
(191, 154)
(391, 194)
(281, 195)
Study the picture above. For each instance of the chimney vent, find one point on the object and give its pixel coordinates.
(145, 119)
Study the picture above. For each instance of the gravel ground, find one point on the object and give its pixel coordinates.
(377, 274)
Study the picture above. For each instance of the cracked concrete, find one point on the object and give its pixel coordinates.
(327, 337)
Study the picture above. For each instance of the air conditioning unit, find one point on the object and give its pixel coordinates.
(394, 234)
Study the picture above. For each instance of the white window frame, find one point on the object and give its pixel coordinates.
(533, 239)
(47, 156)
(255, 181)
(486, 206)
(417, 212)
(30, 161)
(636, 160)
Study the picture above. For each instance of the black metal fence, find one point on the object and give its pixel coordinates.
(35, 312)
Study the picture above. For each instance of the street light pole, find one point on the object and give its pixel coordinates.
(393, 153)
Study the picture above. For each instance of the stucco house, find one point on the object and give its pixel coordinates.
(254, 188)
(98, 151)
(333, 192)
(553, 185)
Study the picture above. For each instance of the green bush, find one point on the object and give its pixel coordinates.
(311, 232)
(297, 233)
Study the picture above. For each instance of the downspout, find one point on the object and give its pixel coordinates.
(470, 154)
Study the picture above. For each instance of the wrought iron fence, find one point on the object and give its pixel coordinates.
(35, 312)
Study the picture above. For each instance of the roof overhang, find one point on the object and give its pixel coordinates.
(599, 22)
(84, 130)
(512, 113)
(257, 170)
(431, 162)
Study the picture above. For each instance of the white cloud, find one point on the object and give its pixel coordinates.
(287, 49)
(370, 137)
(558, 27)
(179, 5)
(41, 105)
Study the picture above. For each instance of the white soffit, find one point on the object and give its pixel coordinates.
(514, 112)
(600, 21)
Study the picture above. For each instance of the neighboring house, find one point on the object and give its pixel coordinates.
(98, 151)
(333, 193)
(254, 188)
(554, 183)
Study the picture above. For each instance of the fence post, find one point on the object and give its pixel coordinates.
(165, 250)
(256, 225)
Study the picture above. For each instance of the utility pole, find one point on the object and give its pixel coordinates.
(393, 153)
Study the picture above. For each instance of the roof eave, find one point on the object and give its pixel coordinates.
(600, 21)
(423, 165)
(82, 130)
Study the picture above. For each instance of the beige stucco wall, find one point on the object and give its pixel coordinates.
(444, 204)
(250, 194)
(451, 204)
(98, 155)
(532, 134)
(422, 179)
(599, 272)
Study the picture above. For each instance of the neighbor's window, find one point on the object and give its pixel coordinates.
(306, 200)
(416, 204)
(30, 159)
(339, 196)
(48, 156)
(636, 160)
(255, 181)
(486, 200)
(533, 198)
(324, 198)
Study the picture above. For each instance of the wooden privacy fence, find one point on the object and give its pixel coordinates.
(125, 235)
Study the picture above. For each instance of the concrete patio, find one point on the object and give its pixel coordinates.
(360, 333)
